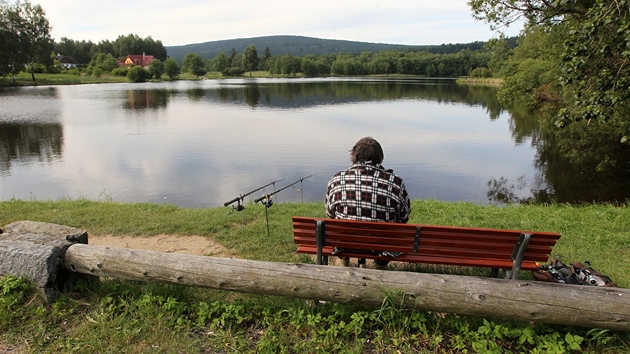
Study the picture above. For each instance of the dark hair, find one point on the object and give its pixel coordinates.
(367, 149)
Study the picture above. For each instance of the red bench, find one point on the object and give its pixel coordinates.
(508, 250)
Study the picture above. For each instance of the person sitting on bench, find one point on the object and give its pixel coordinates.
(367, 191)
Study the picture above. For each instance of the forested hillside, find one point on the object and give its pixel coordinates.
(301, 46)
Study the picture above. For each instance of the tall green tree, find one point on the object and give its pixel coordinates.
(25, 31)
(193, 64)
(171, 68)
(156, 69)
(220, 62)
(263, 64)
(250, 59)
(81, 51)
(8, 40)
(590, 120)
(233, 57)
(134, 44)
(105, 61)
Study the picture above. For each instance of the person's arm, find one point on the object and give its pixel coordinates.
(405, 204)
(329, 202)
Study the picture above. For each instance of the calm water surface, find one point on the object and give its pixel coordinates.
(200, 144)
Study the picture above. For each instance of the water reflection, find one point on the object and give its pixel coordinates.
(29, 143)
(297, 93)
(143, 99)
(304, 94)
(198, 144)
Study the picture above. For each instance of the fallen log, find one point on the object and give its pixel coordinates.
(50, 255)
(521, 300)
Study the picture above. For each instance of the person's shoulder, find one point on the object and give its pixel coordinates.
(338, 175)
(393, 176)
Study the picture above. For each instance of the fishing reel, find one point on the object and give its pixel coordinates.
(267, 201)
(238, 207)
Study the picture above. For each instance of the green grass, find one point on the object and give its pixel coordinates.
(123, 316)
(25, 79)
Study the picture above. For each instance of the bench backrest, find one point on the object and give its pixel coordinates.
(429, 243)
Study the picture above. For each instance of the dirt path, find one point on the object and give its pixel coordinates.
(196, 245)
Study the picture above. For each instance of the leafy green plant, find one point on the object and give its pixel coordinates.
(109, 315)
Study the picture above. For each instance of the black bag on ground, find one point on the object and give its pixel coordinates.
(589, 276)
(576, 273)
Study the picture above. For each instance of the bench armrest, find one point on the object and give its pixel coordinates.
(518, 254)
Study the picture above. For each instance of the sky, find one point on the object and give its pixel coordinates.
(411, 22)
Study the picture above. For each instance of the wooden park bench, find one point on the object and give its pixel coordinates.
(508, 250)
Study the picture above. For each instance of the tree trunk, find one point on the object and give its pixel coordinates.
(488, 297)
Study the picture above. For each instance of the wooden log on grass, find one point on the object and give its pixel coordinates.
(588, 306)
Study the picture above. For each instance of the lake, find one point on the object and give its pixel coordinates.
(199, 144)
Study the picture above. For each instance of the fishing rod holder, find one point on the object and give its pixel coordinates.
(239, 200)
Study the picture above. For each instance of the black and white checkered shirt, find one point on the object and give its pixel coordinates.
(367, 192)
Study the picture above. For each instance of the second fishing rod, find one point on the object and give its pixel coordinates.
(267, 200)
(239, 199)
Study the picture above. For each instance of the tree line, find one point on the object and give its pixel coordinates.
(83, 51)
(572, 66)
(33, 45)
(391, 62)
(26, 44)
(302, 46)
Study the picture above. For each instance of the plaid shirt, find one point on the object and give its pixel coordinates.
(367, 192)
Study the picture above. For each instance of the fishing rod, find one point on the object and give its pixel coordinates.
(266, 199)
(239, 199)
(268, 202)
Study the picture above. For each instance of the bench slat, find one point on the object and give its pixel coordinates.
(429, 259)
(446, 245)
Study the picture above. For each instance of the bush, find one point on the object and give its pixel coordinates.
(481, 73)
(74, 71)
(97, 72)
(122, 71)
(137, 74)
(233, 71)
(36, 68)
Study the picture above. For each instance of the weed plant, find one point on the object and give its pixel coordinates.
(114, 316)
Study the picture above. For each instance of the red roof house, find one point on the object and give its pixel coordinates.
(141, 60)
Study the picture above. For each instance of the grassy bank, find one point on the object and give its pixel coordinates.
(25, 79)
(122, 316)
(480, 81)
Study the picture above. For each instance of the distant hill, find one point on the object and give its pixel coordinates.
(301, 46)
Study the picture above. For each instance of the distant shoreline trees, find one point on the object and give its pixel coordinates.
(26, 45)
(390, 62)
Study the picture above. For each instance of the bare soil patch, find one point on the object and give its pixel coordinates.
(197, 245)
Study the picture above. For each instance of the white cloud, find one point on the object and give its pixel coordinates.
(420, 22)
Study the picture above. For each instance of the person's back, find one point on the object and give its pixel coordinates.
(367, 191)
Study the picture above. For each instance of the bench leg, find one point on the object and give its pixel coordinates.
(320, 235)
(494, 273)
(517, 256)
